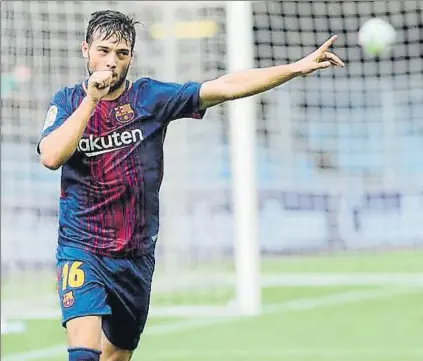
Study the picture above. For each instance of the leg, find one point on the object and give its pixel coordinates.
(129, 288)
(112, 353)
(84, 332)
(84, 338)
(83, 299)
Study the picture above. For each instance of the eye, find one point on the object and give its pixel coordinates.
(103, 51)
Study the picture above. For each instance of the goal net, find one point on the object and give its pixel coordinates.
(339, 153)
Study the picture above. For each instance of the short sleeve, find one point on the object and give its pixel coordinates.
(56, 115)
(175, 101)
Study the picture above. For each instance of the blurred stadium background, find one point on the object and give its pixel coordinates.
(339, 181)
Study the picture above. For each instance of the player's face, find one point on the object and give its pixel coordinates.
(109, 54)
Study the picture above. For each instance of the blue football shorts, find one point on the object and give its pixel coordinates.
(118, 289)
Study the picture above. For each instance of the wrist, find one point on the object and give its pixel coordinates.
(297, 68)
(91, 101)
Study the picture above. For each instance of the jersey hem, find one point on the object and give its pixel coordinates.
(138, 253)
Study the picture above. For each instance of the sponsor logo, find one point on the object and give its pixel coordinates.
(68, 299)
(93, 146)
(124, 113)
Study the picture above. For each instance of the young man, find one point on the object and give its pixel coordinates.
(107, 135)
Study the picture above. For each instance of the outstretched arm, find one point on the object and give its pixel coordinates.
(254, 81)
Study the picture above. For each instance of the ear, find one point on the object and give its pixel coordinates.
(85, 49)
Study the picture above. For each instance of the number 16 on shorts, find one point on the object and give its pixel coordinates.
(71, 276)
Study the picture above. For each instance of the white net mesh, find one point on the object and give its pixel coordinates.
(341, 151)
(339, 154)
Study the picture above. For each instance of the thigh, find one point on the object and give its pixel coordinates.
(84, 331)
(129, 299)
(82, 291)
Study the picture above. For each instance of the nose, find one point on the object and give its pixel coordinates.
(111, 62)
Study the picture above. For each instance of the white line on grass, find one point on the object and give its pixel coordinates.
(47, 306)
(40, 354)
(289, 306)
(291, 353)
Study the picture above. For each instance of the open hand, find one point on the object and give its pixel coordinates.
(319, 59)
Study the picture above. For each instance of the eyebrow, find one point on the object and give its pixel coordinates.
(107, 48)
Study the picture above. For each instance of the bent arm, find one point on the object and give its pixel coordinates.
(57, 147)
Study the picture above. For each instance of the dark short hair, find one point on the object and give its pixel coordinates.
(112, 23)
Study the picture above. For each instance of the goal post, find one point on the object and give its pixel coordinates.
(242, 125)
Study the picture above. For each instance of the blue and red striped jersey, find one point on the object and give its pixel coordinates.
(109, 202)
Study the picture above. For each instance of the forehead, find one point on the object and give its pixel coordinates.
(112, 41)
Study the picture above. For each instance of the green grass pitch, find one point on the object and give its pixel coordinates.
(339, 322)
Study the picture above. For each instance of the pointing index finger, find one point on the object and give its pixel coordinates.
(328, 43)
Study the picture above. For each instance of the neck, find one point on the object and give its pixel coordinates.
(115, 94)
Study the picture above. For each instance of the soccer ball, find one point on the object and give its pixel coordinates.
(376, 36)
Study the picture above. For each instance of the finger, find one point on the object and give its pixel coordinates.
(99, 82)
(105, 84)
(103, 71)
(333, 59)
(102, 84)
(106, 76)
(102, 74)
(324, 64)
(328, 43)
(103, 87)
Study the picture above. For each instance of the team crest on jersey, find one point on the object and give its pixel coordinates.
(124, 113)
(68, 299)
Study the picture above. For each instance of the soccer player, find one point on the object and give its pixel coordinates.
(107, 134)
